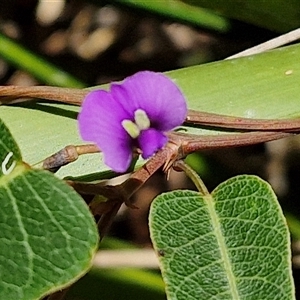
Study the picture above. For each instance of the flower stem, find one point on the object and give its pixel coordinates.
(181, 165)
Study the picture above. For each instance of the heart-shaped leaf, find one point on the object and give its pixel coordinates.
(48, 236)
(231, 244)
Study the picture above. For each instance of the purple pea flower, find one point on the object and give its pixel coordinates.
(135, 113)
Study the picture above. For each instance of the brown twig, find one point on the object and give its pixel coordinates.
(191, 143)
(76, 96)
(65, 95)
(118, 194)
(216, 120)
(67, 155)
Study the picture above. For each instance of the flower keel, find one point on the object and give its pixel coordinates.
(150, 141)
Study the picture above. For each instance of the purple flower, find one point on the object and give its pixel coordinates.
(135, 113)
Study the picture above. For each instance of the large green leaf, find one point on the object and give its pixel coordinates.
(278, 15)
(48, 237)
(259, 86)
(230, 244)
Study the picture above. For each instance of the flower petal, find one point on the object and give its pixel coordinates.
(150, 141)
(154, 93)
(100, 122)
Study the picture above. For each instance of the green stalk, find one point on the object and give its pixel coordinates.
(44, 71)
(182, 12)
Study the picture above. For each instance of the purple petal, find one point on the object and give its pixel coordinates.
(156, 94)
(150, 141)
(100, 122)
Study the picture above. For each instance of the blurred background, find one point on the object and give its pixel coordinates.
(96, 42)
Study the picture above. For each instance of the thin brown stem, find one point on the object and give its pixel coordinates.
(138, 178)
(76, 96)
(181, 165)
(65, 95)
(67, 155)
(216, 120)
(108, 191)
(196, 143)
(133, 183)
(118, 194)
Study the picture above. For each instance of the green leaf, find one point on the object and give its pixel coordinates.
(230, 244)
(48, 237)
(258, 86)
(46, 72)
(278, 15)
(181, 11)
(9, 151)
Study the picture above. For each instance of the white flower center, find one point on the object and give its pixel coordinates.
(141, 122)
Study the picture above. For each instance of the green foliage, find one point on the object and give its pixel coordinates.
(277, 15)
(259, 86)
(47, 234)
(40, 68)
(181, 11)
(230, 244)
